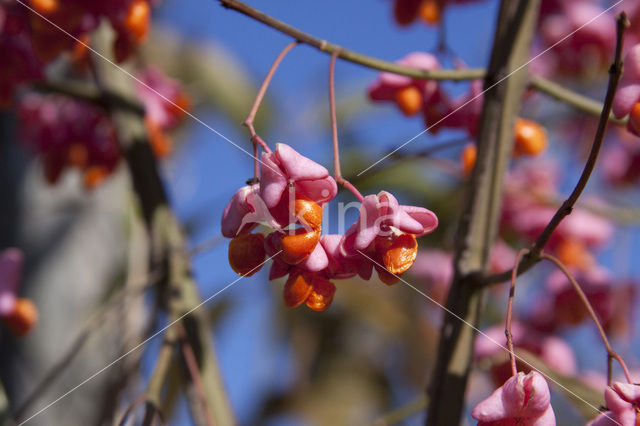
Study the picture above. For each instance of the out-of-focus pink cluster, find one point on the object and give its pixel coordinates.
(529, 189)
(627, 100)
(165, 103)
(429, 97)
(582, 44)
(67, 132)
(288, 202)
(561, 307)
(29, 40)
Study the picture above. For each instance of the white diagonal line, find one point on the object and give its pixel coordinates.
(148, 87)
(450, 312)
(139, 345)
(493, 85)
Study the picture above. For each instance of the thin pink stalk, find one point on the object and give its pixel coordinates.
(260, 96)
(610, 352)
(334, 130)
(507, 325)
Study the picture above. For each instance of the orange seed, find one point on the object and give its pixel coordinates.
(409, 99)
(321, 295)
(246, 254)
(309, 213)
(297, 247)
(296, 291)
(137, 20)
(468, 158)
(94, 176)
(399, 257)
(23, 317)
(45, 6)
(531, 138)
(634, 119)
(430, 12)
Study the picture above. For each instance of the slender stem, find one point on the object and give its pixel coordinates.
(507, 326)
(585, 301)
(576, 100)
(332, 111)
(192, 366)
(334, 130)
(615, 73)
(260, 96)
(350, 55)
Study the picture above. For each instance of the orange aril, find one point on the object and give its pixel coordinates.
(531, 138)
(401, 254)
(296, 291)
(45, 6)
(321, 295)
(308, 212)
(246, 254)
(137, 20)
(23, 317)
(574, 253)
(468, 158)
(634, 119)
(78, 155)
(430, 11)
(386, 277)
(298, 246)
(160, 143)
(94, 176)
(80, 51)
(409, 99)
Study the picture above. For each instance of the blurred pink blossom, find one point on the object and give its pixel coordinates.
(627, 100)
(581, 43)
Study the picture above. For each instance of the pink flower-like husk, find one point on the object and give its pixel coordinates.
(381, 211)
(236, 210)
(10, 273)
(284, 166)
(523, 398)
(340, 266)
(620, 399)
